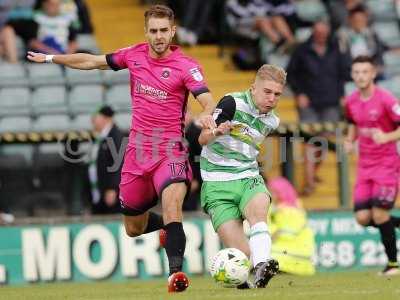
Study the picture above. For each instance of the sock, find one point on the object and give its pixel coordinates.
(175, 246)
(155, 222)
(388, 238)
(395, 221)
(260, 243)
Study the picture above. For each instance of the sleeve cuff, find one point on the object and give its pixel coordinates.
(111, 63)
(200, 91)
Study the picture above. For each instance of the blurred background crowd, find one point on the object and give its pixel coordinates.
(314, 40)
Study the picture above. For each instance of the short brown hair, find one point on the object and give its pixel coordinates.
(271, 72)
(159, 11)
(363, 59)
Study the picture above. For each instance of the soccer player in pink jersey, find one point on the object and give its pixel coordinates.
(155, 163)
(374, 116)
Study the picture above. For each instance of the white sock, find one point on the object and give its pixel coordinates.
(260, 243)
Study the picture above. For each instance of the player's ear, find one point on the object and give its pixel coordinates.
(173, 30)
(375, 73)
(253, 87)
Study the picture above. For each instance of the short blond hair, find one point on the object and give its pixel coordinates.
(271, 72)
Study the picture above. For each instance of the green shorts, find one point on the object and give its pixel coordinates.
(226, 200)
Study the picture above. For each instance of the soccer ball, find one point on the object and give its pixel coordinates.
(230, 267)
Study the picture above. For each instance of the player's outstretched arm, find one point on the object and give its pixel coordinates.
(205, 119)
(82, 61)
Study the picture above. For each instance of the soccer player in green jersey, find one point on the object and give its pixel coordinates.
(233, 189)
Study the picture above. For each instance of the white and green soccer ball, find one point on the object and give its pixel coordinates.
(230, 267)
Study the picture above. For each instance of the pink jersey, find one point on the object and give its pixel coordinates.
(381, 111)
(159, 92)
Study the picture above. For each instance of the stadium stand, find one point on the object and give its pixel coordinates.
(118, 96)
(85, 98)
(12, 75)
(39, 75)
(15, 101)
(50, 98)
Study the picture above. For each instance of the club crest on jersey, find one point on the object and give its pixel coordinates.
(165, 73)
(196, 74)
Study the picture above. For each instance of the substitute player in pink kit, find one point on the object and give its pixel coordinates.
(155, 164)
(374, 116)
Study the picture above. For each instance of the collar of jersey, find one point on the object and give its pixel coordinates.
(253, 106)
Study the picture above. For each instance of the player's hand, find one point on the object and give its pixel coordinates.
(348, 145)
(110, 197)
(302, 101)
(206, 121)
(379, 136)
(36, 57)
(223, 128)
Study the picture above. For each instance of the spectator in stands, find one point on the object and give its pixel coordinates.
(317, 71)
(15, 19)
(56, 33)
(192, 133)
(358, 38)
(250, 18)
(194, 21)
(284, 20)
(84, 17)
(339, 11)
(104, 183)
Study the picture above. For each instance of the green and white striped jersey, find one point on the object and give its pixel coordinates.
(234, 156)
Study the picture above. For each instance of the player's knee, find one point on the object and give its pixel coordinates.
(380, 216)
(363, 220)
(134, 230)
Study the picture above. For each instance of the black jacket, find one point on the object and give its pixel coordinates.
(109, 180)
(321, 78)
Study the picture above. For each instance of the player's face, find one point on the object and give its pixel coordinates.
(359, 21)
(98, 122)
(52, 7)
(363, 74)
(266, 94)
(159, 33)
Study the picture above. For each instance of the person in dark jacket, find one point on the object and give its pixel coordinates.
(105, 165)
(317, 72)
(192, 133)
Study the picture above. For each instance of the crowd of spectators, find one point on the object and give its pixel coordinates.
(47, 26)
(314, 40)
(315, 44)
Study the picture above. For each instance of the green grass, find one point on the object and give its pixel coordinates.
(337, 286)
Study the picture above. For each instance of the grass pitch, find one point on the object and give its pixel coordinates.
(337, 286)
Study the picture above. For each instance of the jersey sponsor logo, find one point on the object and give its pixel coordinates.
(396, 109)
(150, 91)
(165, 73)
(373, 114)
(196, 74)
(216, 113)
(177, 169)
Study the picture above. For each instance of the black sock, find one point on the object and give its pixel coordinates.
(175, 246)
(155, 222)
(395, 221)
(388, 238)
